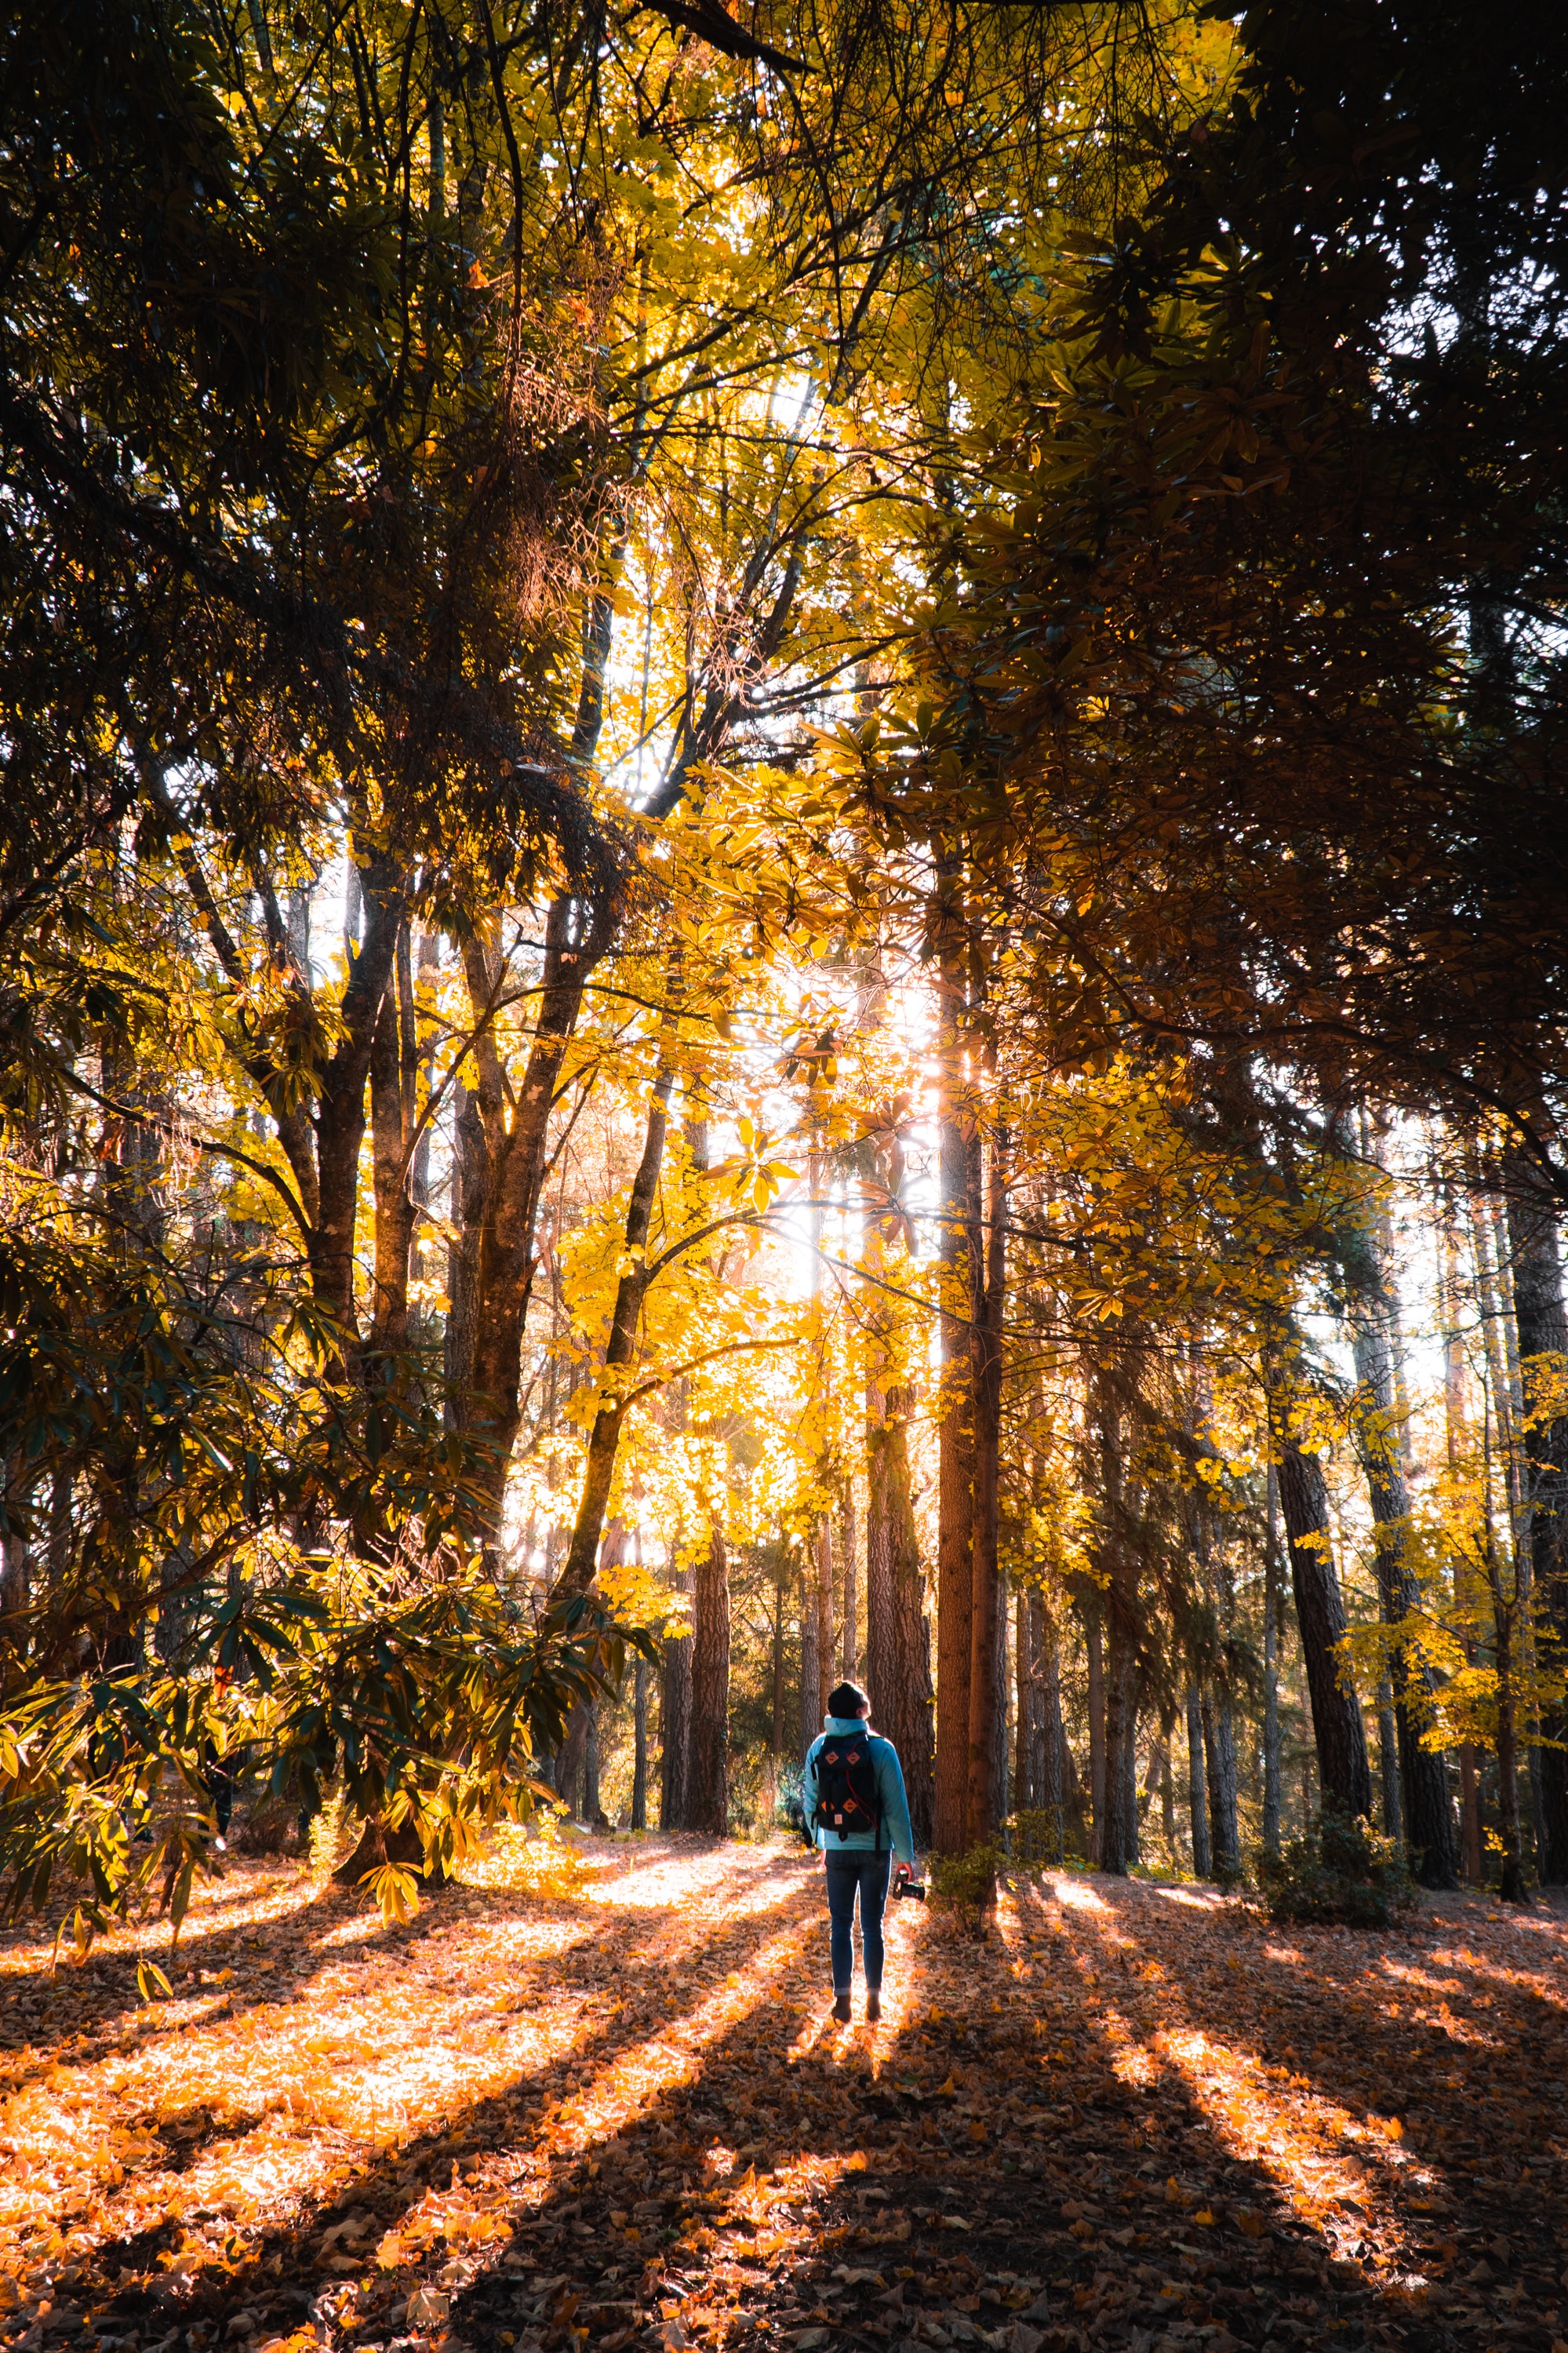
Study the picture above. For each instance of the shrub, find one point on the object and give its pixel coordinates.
(1341, 1871)
(964, 1887)
(789, 1810)
(1040, 1839)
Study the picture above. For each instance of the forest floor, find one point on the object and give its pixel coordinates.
(621, 2115)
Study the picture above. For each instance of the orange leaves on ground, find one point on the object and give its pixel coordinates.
(619, 2108)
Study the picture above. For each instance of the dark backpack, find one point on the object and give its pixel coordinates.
(846, 1797)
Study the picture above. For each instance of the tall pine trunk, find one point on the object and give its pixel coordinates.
(897, 1652)
(1345, 1772)
(1198, 1800)
(708, 1790)
(959, 1149)
(675, 1723)
(1271, 1673)
(1417, 1786)
(1543, 1334)
(987, 1728)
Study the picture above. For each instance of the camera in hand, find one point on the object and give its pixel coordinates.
(913, 1888)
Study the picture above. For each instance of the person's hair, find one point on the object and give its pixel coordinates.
(847, 1699)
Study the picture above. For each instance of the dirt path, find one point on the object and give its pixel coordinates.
(622, 2116)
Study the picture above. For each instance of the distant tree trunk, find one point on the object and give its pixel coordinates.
(959, 1149)
(1456, 1434)
(393, 1082)
(898, 1653)
(778, 1660)
(1117, 1842)
(825, 1677)
(591, 1810)
(1219, 1758)
(1029, 1758)
(639, 1746)
(1168, 1802)
(1197, 1805)
(675, 1724)
(506, 1208)
(603, 1438)
(849, 1623)
(987, 1730)
(810, 1689)
(1271, 1673)
(1420, 1778)
(708, 1801)
(1340, 1736)
(1388, 1762)
(1505, 1624)
(1096, 1657)
(1543, 1333)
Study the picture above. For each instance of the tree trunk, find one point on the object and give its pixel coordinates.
(1219, 1758)
(639, 1746)
(778, 1664)
(810, 1689)
(1094, 1655)
(822, 1552)
(1029, 1759)
(605, 1439)
(708, 1804)
(340, 1118)
(1344, 1773)
(1543, 1333)
(1271, 1674)
(1118, 1840)
(675, 1723)
(850, 1622)
(1197, 1807)
(1504, 1620)
(961, 1281)
(507, 1209)
(394, 1075)
(898, 1653)
(1388, 1763)
(1419, 1783)
(987, 1732)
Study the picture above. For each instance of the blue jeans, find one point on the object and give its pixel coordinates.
(853, 1870)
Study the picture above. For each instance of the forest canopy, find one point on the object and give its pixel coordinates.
(782, 894)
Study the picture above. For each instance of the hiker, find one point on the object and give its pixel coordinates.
(853, 1795)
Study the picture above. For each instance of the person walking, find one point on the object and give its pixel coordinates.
(852, 1793)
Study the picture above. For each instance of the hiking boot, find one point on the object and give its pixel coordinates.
(841, 2009)
(873, 2005)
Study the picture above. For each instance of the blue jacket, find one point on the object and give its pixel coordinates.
(894, 1830)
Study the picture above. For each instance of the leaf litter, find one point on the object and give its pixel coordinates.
(608, 2107)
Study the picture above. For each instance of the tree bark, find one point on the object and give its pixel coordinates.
(339, 1121)
(1094, 1650)
(513, 1173)
(1543, 1334)
(604, 1440)
(1219, 1758)
(1420, 1780)
(897, 1652)
(810, 1688)
(1271, 1673)
(394, 1075)
(1197, 1807)
(639, 1746)
(959, 1295)
(707, 1797)
(823, 1553)
(987, 1624)
(849, 1621)
(1344, 1774)
(675, 1723)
